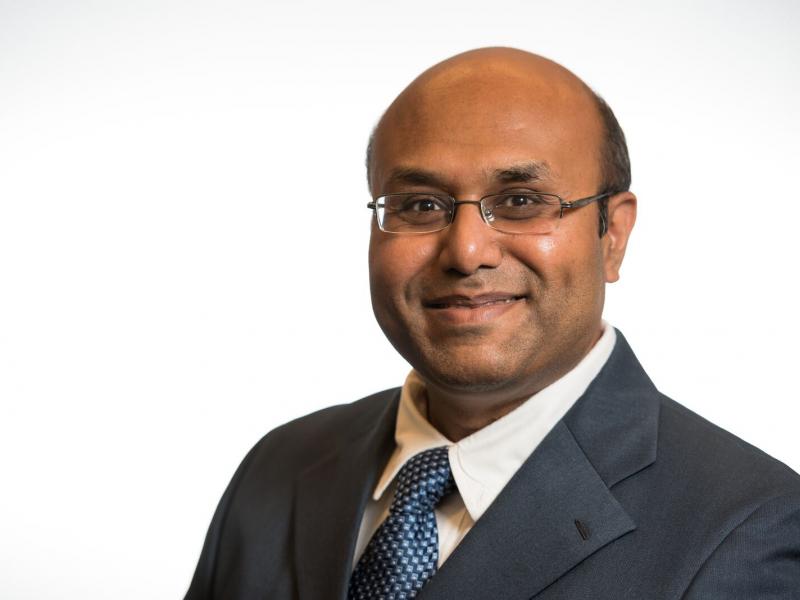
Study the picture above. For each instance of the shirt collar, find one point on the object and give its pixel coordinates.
(484, 462)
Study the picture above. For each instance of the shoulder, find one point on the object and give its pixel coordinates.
(709, 507)
(706, 452)
(739, 506)
(307, 439)
(266, 475)
(716, 491)
(253, 518)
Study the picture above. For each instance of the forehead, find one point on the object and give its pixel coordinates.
(470, 124)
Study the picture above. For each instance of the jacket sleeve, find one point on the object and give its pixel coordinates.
(760, 558)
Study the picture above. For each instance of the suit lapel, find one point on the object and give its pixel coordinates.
(534, 532)
(330, 500)
(559, 509)
(616, 421)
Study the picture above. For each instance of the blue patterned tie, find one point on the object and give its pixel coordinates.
(403, 553)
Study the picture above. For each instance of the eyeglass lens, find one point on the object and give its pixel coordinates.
(511, 213)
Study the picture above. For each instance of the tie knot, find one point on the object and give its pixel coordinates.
(423, 481)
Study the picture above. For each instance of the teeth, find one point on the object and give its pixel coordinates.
(469, 305)
(505, 301)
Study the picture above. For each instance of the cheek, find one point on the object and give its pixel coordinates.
(546, 247)
(568, 261)
(538, 254)
(395, 262)
(580, 271)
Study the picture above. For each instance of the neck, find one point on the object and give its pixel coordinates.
(456, 419)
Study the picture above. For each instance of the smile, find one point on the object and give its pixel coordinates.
(457, 310)
(475, 302)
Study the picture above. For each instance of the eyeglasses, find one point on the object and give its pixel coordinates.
(511, 212)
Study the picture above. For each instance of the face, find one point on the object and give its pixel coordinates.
(475, 310)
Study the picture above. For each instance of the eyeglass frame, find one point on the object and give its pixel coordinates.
(562, 205)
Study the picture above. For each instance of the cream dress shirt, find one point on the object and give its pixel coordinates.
(484, 462)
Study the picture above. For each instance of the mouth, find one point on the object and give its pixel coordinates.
(457, 301)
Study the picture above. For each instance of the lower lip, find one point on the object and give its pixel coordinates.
(469, 315)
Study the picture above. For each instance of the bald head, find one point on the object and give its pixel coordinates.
(503, 89)
(486, 71)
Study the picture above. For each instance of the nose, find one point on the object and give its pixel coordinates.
(469, 244)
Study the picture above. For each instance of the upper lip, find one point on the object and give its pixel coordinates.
(470, 301)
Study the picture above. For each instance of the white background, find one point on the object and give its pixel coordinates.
(155, 321)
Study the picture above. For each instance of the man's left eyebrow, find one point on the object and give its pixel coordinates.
(522, 173)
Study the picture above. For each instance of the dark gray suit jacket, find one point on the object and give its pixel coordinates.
(670, 507)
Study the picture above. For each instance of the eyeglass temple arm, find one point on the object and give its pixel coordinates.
(584, 201)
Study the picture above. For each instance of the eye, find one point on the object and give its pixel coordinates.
(418, 203)
(418, 212)
(519, 201)
(514, 206)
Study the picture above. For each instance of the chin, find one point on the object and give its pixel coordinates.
(469, 376)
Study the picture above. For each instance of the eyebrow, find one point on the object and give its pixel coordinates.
(413, 176)
(522, 173)
(519, 173)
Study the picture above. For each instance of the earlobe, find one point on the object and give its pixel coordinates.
(621, 218)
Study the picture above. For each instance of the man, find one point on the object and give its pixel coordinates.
(527, 455)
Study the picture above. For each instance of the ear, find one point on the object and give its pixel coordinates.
(621, 217)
